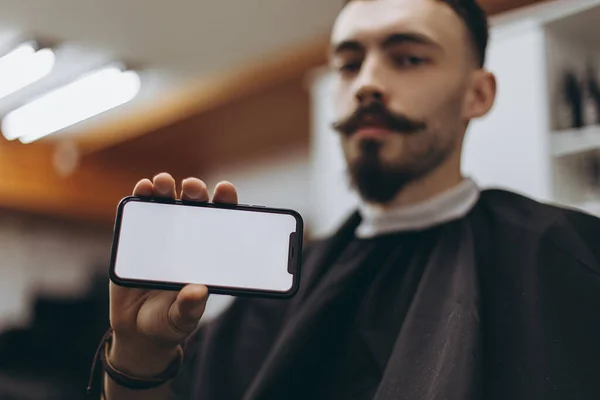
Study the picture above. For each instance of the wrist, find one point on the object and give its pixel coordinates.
(139, 359)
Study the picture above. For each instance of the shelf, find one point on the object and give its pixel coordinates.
(575, 141)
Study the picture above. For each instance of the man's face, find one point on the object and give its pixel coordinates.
(403, 69)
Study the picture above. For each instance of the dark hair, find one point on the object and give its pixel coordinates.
(475, 19)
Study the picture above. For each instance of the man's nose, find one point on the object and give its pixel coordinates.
(369, 95)
(369, 85)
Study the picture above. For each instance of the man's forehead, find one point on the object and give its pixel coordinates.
(374, 19)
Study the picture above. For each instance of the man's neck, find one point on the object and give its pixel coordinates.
(421, 190)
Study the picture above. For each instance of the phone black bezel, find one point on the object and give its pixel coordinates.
(232, 291)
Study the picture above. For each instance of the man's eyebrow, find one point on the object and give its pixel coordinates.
(409, 37)
(390, 41)
(346, 46)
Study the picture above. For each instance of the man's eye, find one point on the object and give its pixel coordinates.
(350, 67)
(408, 61)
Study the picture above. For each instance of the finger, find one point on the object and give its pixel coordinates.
(143, 188)
(194, 189)
(186, 311)
(164, 185)
(225, 193)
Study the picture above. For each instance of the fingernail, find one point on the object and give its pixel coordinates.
(194, 192)
(162, 189)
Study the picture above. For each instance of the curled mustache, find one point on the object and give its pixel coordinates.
(376, 111)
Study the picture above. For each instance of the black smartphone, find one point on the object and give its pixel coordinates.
(232, 249)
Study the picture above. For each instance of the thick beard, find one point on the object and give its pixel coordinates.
(379, 183)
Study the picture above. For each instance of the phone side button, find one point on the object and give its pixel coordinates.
(243, 205)
(258, 205)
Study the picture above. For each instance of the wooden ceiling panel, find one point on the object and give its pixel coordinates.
(209, 94)
(249, 127)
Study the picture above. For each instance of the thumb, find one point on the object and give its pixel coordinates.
(187, 309)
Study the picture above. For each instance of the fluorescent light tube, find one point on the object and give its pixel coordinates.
(84, 98)
(23, 66)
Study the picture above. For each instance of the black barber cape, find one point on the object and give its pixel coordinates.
(502, 304)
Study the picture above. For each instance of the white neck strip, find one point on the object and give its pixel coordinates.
(452, 204)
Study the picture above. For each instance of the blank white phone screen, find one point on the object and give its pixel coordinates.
(188, 244)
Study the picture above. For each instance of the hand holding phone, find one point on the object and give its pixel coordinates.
(149, 324)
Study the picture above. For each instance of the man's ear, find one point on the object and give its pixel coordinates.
(481, 95)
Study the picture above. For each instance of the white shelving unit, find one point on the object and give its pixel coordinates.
(520, 145)
(575, 141)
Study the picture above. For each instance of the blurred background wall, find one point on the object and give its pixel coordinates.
(232, 91)
(44, 256)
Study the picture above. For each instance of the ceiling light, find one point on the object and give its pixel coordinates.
(86, 97)
(23, 66)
